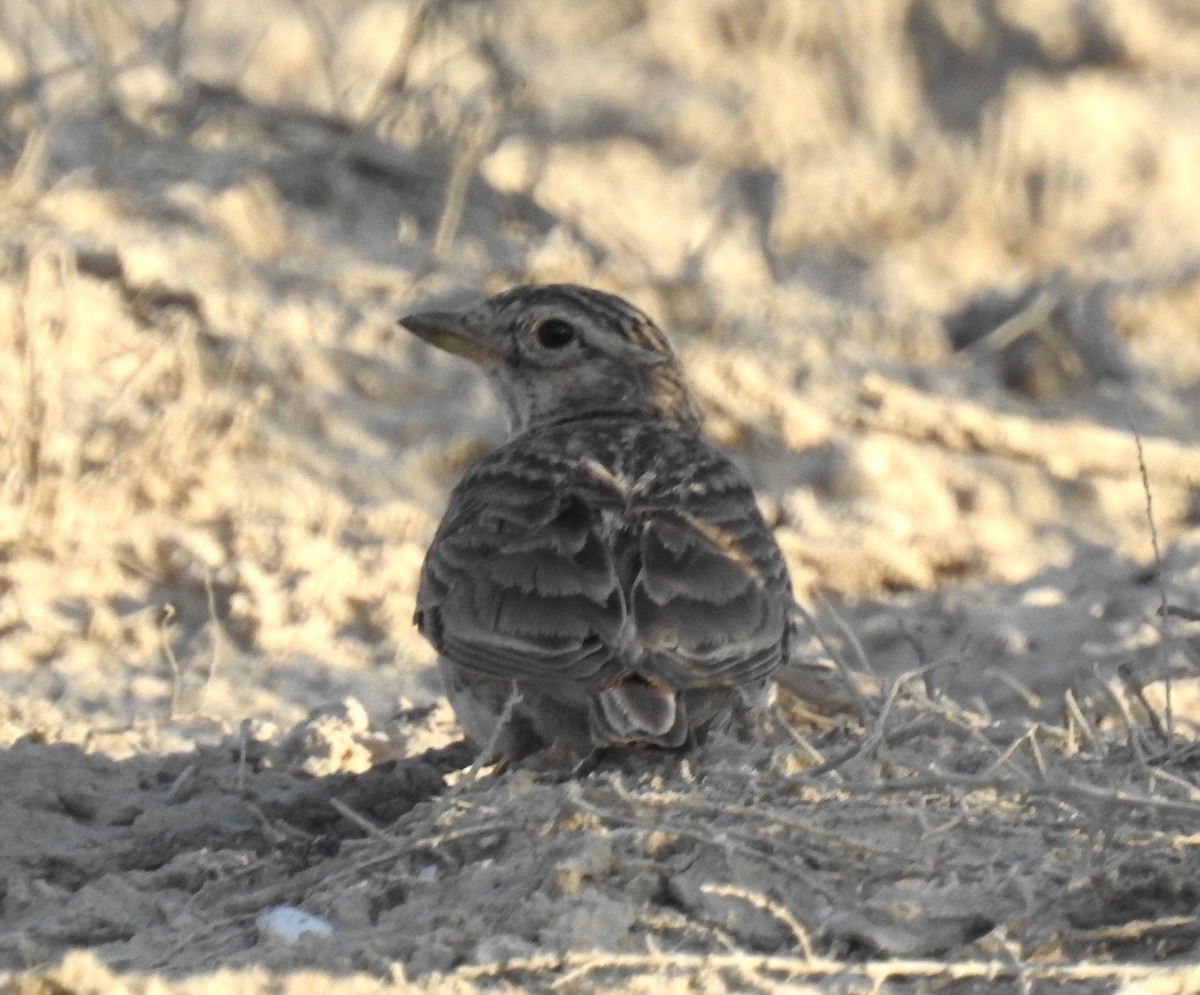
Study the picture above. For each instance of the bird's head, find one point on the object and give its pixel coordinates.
(560, 351)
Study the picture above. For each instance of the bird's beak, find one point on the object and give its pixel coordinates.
(450, 331)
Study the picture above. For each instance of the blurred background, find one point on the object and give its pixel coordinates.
(927, 262)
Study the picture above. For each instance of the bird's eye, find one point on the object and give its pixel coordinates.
(554, 333)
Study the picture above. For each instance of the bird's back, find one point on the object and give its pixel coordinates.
(615, 564)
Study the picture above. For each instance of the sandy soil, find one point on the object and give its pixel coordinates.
(934, 269)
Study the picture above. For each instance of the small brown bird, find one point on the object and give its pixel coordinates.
(606, 563)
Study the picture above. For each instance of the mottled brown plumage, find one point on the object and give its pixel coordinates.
(606, 562)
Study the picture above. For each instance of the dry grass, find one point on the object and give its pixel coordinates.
(927, 262)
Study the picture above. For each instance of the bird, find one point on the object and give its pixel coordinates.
(604, 579)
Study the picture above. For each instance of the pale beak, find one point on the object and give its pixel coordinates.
(449, 331)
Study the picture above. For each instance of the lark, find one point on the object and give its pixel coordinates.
(604, 578)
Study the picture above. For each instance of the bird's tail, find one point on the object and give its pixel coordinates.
(637, 712)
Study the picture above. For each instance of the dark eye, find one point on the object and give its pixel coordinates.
(554, 333)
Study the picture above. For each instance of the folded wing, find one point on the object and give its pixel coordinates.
(520, 581)
(546, 570)
(710, 601)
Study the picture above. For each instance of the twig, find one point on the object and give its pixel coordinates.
(702, 834)
(798, 737)
(1084, 792)
(326, 40)
(1139, 929)
(363, 823)
(1134, 689)
(1133, 728)
(475, 135)
(168, 613)
(760, 901)
(1007, 755)
(1038, 760)
(1145, 474)
(746, 815)
(879, 726)
(660, 963)
(395, 78)
(858, 700)
(215, 625)
(848, 634)
(1031, 319)
(1076, 714)
(1179, 611)
(1022, 690)
(486, 755)
(1158, 576)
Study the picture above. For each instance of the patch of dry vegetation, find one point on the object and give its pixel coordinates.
(928, 262)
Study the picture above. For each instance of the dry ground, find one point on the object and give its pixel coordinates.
(930, 264)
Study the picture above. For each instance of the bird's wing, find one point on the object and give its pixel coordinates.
(711, 598)
(520, 580)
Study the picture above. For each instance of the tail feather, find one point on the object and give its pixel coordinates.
(636, 712)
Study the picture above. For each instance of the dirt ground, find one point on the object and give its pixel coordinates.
(933, 267)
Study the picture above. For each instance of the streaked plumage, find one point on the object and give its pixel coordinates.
(606, 562)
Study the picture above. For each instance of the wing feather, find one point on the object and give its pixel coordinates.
(549, 566)
(520, 581)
